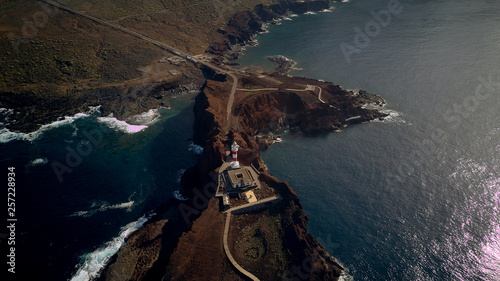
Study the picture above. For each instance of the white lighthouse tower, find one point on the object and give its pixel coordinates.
(234, 150)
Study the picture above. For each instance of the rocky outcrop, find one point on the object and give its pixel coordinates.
(140, 251)
(296, 102)
(198, 251)
(301, 247)
(33, 108)
(304, 247)
(293, 106)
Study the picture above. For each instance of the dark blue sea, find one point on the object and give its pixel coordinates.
(68, 230)
(414, 197)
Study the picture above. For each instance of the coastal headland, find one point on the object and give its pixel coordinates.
(275, 236)
(190, 240)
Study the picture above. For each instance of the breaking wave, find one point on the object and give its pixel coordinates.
(180, 173)
(103, 207)
(6, 135)
(133, 124)
(38, 162)
(121, 126)
(93, 263)
(393, 117)
(196, 149)
(138, 123)
(178, 196)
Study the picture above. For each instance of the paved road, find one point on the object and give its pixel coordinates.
(308, 88)
(256, 90)
(228, 253)
(163, 46)
(230, 101)
(120, 28)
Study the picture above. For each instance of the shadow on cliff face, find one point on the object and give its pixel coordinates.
(169, 155)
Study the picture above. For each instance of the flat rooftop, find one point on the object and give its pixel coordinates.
(250, 196)
(240, 174)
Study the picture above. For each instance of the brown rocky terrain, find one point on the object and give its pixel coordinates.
(55, 63)
(115, 70)
(273, 244)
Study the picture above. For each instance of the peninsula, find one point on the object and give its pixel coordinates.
(239, 221)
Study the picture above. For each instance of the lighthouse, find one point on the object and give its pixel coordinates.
(234, 150)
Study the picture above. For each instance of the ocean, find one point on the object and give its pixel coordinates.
(72, 219)
(414, 197)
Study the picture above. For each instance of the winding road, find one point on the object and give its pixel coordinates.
(228, 253)
(163, 46)
(308, 88)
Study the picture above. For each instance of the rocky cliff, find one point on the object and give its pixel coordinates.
(277, 236)
(273, 244)
(243, 25)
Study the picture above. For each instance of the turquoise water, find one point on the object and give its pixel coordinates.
(415, 197)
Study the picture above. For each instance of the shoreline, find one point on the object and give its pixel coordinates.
(292, 203)
(203, 143)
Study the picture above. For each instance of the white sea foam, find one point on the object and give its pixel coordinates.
(38, 162)
(196, 149)
(121, 126)
(141, 120)
(80, 214)
(92, 264)
(393, 117)
(145, 118)
(180, 173)
(309, 13)
(103, 207)
(6, 112)
(6, 135)
(345, 278)
(75, 132)
(133, 124)
(264, 30)
(178, 196)
(326, 11)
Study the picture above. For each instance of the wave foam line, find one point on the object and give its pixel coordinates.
(102, 208)
(6, 135)
(140, 122)
(178, 196)
(93, 263)
(143, 120)
(196, 149)
(38, 162)
(121, 126)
